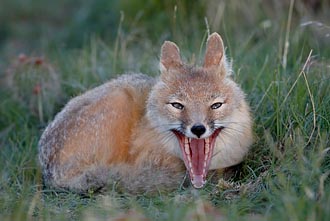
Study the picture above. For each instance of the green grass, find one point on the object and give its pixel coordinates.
(285, 176)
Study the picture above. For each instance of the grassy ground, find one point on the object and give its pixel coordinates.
(281, 58)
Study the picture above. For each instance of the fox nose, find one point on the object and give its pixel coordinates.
(198, 130)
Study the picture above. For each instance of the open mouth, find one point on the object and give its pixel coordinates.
(197, 154)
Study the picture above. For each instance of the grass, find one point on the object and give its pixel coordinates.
(282, 62)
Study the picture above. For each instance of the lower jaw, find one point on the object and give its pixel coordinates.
(197, 180)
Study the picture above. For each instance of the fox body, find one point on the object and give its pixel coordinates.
(145, 134)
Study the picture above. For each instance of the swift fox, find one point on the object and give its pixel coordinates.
(146, 134)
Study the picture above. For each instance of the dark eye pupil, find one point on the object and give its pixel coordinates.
(216, 105)
(177, 105)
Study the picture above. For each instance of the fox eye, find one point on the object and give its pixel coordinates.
(216, 105)
(177, 105)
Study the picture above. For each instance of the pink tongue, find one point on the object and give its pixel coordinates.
(197, 156)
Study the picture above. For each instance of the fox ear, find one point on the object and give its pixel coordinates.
(170, 57)
(214, 51)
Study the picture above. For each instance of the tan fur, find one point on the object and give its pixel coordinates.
(120, 132)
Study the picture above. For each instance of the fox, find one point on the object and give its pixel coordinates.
(145, 134)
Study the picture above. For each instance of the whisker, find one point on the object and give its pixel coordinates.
(167, 139)
(230, 135)
(233, 129)
(225, 124)
(216, 153)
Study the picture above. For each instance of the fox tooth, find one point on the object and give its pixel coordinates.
(192, 172)
(186, 140)
(187, 149)
(207, 140)
(207, 147)
(189, 159)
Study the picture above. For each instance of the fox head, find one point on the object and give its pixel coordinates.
(194, 104)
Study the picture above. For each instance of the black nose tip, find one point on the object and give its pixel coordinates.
(198, 130)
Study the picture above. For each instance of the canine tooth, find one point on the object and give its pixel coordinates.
(207, 140)
(186, 140)
(187, 149)
(190, 165)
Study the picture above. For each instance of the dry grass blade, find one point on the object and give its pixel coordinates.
(296, 81)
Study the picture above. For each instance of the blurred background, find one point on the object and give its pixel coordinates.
(35, 26)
